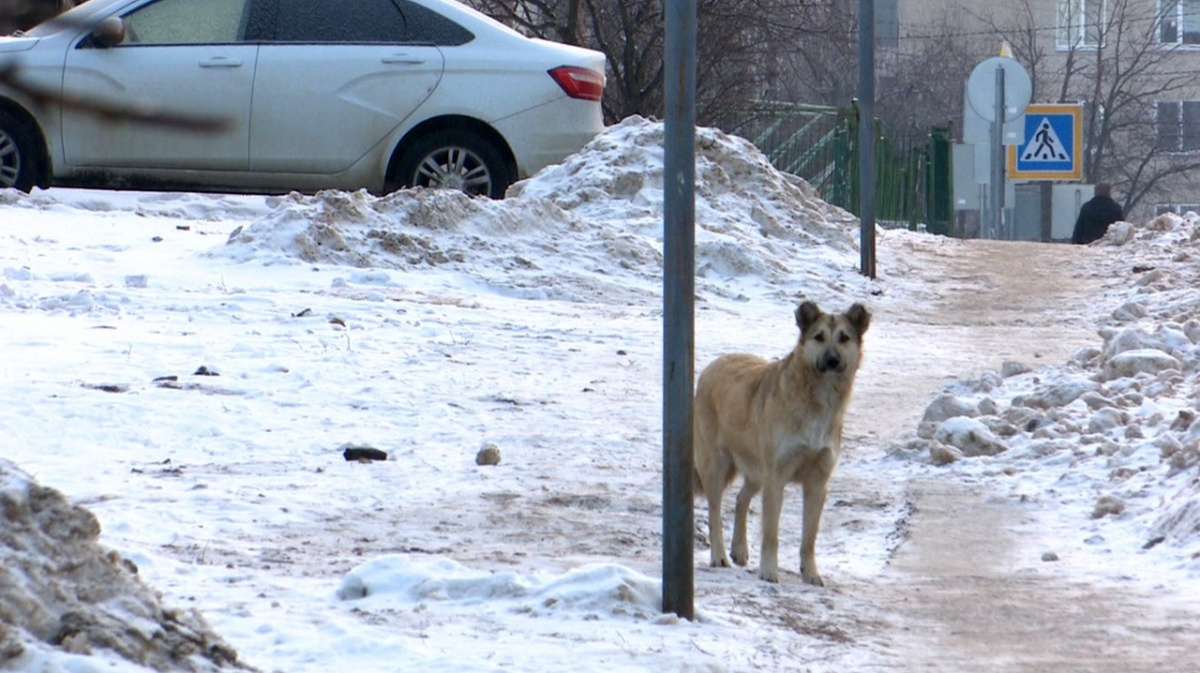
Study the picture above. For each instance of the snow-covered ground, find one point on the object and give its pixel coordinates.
(192, 368)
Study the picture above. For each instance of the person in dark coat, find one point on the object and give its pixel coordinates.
(1095, 215)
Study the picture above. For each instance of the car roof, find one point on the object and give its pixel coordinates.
(451, 9)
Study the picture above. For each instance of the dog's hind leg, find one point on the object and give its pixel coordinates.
(716, 536)
(715, 471)
(741, 547)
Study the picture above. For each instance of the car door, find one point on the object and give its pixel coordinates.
(334, 80)
(183, 64)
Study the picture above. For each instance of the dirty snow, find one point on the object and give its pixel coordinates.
(1114, 431)
(63, 595)
(191, 369)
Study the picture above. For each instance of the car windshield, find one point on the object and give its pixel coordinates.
(72, 18)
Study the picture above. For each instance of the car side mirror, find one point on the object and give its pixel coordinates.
(109, 32)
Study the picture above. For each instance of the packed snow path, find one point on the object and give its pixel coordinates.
(968, 588)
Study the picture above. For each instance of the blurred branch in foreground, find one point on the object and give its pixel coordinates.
(17, 15)
(143, 112)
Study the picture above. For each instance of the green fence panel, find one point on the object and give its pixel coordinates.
(820, 144)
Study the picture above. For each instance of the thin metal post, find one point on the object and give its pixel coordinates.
(996, 216)
(679, 295)
(866, 134)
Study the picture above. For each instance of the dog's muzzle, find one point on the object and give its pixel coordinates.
(830, 361)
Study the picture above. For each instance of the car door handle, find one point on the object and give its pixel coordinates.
(221, 62)
(404, 59)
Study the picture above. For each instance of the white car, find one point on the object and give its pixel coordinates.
(280, 95)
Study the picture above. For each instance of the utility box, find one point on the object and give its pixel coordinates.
(966, 190)
(1027, 212)
(1029, 217)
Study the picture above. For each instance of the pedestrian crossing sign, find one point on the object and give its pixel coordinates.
(1052, 145)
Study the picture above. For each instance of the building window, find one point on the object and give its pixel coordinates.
(1178, 125)
(1179, 22)
(1082, 23)
(887, 24)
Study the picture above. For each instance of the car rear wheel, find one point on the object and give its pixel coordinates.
(20, 159)
(455, 159)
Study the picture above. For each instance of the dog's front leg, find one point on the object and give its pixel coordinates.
(815, 490)
(741, 546)
(772, 503)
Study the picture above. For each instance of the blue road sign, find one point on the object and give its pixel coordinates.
(1052, 147)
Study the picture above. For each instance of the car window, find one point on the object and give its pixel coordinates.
(427, 26)
(186, 22)
(365, 21)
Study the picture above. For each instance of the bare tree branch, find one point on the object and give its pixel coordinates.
(141, 113)
(25, 14)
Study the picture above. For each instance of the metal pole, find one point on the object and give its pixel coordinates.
(996, 216)
(679, 295)
(866, 134)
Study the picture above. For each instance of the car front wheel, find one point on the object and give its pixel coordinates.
(453, 159)
(19, 157)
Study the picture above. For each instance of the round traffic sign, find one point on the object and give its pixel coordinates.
(981, 88)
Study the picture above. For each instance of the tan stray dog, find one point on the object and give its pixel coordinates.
(777, 422)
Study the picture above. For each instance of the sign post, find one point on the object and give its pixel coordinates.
(996, 201)
(998, 91)
(866, 136)
(679, 298)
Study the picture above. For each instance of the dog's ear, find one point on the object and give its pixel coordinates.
(860, 317)
(807, 314)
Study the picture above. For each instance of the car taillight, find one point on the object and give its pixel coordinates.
(579, 82)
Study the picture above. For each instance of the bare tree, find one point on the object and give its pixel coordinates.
(814, 54)
(736, 63)
(922, 84)
(556, 20)
(631, 36)
(918, 82)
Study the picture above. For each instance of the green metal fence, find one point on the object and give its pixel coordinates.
(820, 144)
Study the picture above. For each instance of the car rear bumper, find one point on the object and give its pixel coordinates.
(549, 133)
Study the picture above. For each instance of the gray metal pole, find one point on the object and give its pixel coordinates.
(996, 216)
(866, 135)
(679, 295)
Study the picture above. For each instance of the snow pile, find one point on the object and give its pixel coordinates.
(740, 197)
(498, 243)
(589, 229)
(1160, 259)
(1121, 419)
(61, 594)
(590, 592)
